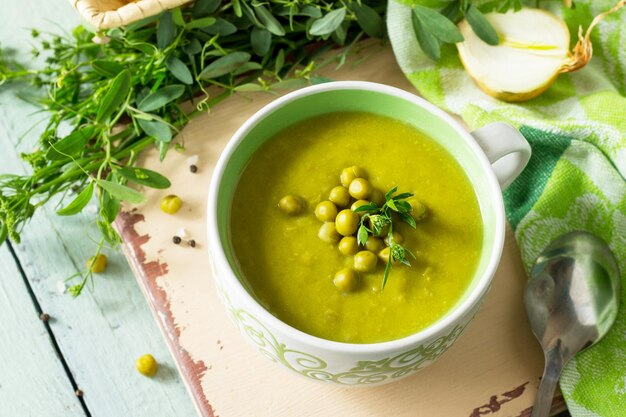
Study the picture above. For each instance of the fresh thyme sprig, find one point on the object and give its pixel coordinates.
(376, 221)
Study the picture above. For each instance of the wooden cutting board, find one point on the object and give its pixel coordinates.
(494, 369)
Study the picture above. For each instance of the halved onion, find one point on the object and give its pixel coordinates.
(533, 51)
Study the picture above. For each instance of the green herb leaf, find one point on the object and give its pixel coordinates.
(144, 176)
(329, 23)
(220, 27)
(157, 129)
(438, 25)
(224, 65)
(269, 21)
(407, 218)
(122, 192)
(391, 192)
(116, 95)
(310, 11)
(203, 8)
(166, 31)
(161, 97)
(237, 8)
(392, 205)
(200, 23)
(428, 42)
(177, 17)
(109, 206)
(386, 274)
(280, 61)
(109, 234)
(362, 235)
(370, 21)
(79, 203)
(106, 68)
(249, 87)
(481, 26)
(247, 67)
(366, 207)
(402, 196)
(4, 233)
(71, 144)
(290, 84)
(179, 70)
(260, 39)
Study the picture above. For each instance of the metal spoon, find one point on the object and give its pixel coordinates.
(571, 302)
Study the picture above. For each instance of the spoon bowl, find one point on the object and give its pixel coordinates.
(571, 301)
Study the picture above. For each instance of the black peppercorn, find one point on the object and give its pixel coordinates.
(193, 168)
(192, 243)
(176, 240)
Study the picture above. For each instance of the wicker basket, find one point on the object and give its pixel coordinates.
(104, 14)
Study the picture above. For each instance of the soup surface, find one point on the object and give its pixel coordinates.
(291, 270)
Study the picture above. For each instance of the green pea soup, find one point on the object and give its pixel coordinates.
(290, 271)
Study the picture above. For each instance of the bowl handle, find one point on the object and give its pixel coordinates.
(506, 148)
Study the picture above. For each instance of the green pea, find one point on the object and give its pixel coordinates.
(347, 222)
(346, 280)
(374, 244)
(349, 174)
(384, 255)
(340, 196)
(365, 261)
(328, 233)
(360, 188)
(348, 245)
(291, 204)
(358, 204)
(326, 211)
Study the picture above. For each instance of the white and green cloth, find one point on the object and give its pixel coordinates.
(575, 177)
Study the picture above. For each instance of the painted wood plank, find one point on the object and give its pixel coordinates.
(29, 365)
(103, 332)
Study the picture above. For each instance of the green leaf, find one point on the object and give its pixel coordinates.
(392, 205)
(362, 235)
(193, 47)
(116, 95)
(163, 148)
(366, 207)
(318, 79)
(109, 206)
(386, 275)
(402, 196)
(122, 192)
(407, 218)
(280, 61)
(177, 17)
(179, 70)
(161, 97)
(438, 25)
(144, 177)
(339, 35)
(237, 8)
(166, 31)
(4, 233)
(79, 203)
(390, 192)
(402, 206)
(269, 21)
(428, 42)
(329, 23)
(200, 23)
(481, 26)
(203, 8)
(109, 234)
(260, 40)
(70, 145)
(249, 87)
(220, 27)
(247, 67)
(224, 65)
(158, 130)
(108, 69)
(310, 11)
(369, 20)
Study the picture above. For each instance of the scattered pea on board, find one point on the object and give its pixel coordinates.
(147, 365)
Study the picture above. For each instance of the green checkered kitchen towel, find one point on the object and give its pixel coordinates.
(575, 178)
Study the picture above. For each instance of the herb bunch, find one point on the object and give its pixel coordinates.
(376, 221)
(110, 96)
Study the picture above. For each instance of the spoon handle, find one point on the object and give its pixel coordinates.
(551, 373)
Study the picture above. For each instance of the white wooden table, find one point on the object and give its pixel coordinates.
(90, 343)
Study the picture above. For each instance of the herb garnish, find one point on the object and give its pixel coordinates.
(378, 220)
